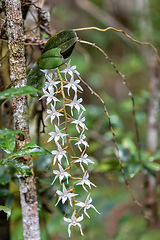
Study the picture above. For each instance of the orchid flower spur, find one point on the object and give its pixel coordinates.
(82, 141)
(73, 221)
(70, 70)
(86, 205)
(52, 83)
(57, 135)
(62, 90)
(50, 95)
(61, 174)
(49, 73)
(53, 113)
(86, 181)
(76, 103)
(74, 85)
(59, 154)
(83, 159)
(50, 76)
(65, 195)
(80, 123)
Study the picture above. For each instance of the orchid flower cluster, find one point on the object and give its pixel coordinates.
(62, 83)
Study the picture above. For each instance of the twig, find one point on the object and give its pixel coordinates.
(114, 139)
(42, 4)
(33, 41)
(127, 35)
(129, 93)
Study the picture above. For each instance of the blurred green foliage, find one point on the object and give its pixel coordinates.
(111, 192)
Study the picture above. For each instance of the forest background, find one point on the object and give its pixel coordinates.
(121, 218)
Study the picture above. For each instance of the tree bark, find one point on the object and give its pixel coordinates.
(152, 134)
(20, 117)
(152, 143)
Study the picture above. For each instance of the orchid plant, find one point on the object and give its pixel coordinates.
(61, 90)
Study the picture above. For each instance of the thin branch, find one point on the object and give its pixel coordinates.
(42, 4)
(126, 34)
(114, 139)
(33, 41)
(129, 93)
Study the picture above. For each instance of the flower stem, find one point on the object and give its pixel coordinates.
(66, 130)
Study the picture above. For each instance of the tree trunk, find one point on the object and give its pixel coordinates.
(152, 135)
(20, 117)
(152, 142)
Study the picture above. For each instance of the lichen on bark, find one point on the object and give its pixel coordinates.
(21, 118)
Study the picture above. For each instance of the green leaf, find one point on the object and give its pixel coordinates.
(36, 150)
(130, 170)
(5, 178)
(2, 170)
(153, 165)
(9, 201)
(57, 48)
(6, 210)
(8, 140)
(29, 149)
(67, 47)
(129, 144)
(4, 192)
(8, 131)
(51, 59)
(7, 143)
(43, 162)
(36, 79)
(133, 169)
(148, 170)
(14, 92)
(55, 52)
(108, 165)
(157, 155)
(22, 168)
(1, 101)
(65, 40)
